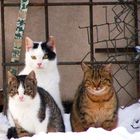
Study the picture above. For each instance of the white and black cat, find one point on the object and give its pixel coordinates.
(31, 108)
(41, 57)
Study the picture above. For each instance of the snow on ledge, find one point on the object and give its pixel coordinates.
(127, 117)
(119, 133)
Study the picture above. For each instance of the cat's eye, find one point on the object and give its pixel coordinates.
(14, 86)
(33, 57)
(28, 87)
(45, 56)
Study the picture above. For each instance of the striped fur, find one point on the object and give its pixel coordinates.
(95, 103)
(31, 109)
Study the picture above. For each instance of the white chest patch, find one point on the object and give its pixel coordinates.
(26, 113)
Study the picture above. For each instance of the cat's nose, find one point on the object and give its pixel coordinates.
(39, 64)
(98, 88)
(21, 98)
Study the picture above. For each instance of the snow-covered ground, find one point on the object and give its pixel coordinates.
(129, 118)
(128, 128)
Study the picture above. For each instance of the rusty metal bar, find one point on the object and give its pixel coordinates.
(46, 19)
(3, 56)
(137, 43)
(112, 50)
(3, 43)
(79, 63)
(91, 31)
(72, 3)
(136, 22)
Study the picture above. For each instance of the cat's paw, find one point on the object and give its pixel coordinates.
(12, 133)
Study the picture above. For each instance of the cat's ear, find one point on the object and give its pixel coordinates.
(51, 43)
(28, 43)
(31, 75)
(11, 77)
(85, 67)
(108, 67)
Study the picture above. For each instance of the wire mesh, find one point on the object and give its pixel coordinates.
(115, 40)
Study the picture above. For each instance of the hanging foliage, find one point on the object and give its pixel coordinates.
(20, 27)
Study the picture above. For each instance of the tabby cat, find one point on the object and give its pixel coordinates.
(31, 109)
(95, 103)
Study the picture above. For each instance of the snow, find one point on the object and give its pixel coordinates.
(129, 118)
(128, 128)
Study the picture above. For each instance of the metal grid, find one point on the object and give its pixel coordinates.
(124, 58)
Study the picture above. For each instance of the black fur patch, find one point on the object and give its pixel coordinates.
(42, 110)
(47, 50)
(21, 79)
(35, 46)
(12, 133)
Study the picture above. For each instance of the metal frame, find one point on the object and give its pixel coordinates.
(91, 5)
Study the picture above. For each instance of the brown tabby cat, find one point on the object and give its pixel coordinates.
(31, 109)
(95, 103)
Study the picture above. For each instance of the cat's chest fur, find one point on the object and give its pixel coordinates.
(98, 110)
(27, 114)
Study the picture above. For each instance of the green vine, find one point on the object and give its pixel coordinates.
(20, 27)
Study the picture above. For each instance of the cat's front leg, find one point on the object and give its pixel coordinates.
(110, 124)
(12, 133)
(10, 119)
